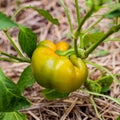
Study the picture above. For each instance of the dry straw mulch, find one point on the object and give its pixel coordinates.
(78, 106)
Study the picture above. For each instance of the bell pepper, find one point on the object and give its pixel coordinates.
(52, 71)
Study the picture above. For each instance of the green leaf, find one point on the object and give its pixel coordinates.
(27, 40)
(98, 3)
(89, 2)
(47, 15)
(12, 116)
(93, 86)
(6, 22)
(105, 83)
(115, 12)
(52, 94)
(92, 38)
(118, 118)
(26, 79)
(101, 85)
(10, 95)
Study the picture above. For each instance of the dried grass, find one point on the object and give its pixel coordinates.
(78, 106)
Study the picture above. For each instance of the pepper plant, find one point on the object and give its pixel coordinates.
(84, 43)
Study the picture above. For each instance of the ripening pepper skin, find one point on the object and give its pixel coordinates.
(57, 72)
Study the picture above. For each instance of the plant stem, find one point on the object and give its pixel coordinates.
(92, 26)
(18, 11)
(78, 30)
(66, 53)
(95, 107)
(67, 14)
(76, 47)
(94, 46)
(77, 11)
(117, 100)
(116, 21)
(14, 45)
(7, 59)
(78, 20)
(13, 57)
(81, 42)
(17, 3)
(88, 14)
(103, 69)
(62, 3)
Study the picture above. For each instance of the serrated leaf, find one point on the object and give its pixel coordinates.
(27, 40)
(47, 15)
(92, 38)
(26, 79)
(52, 94)
(6, 22)
(10, 95)
(12, 116)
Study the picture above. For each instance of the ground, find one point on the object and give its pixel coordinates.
(78, 106)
